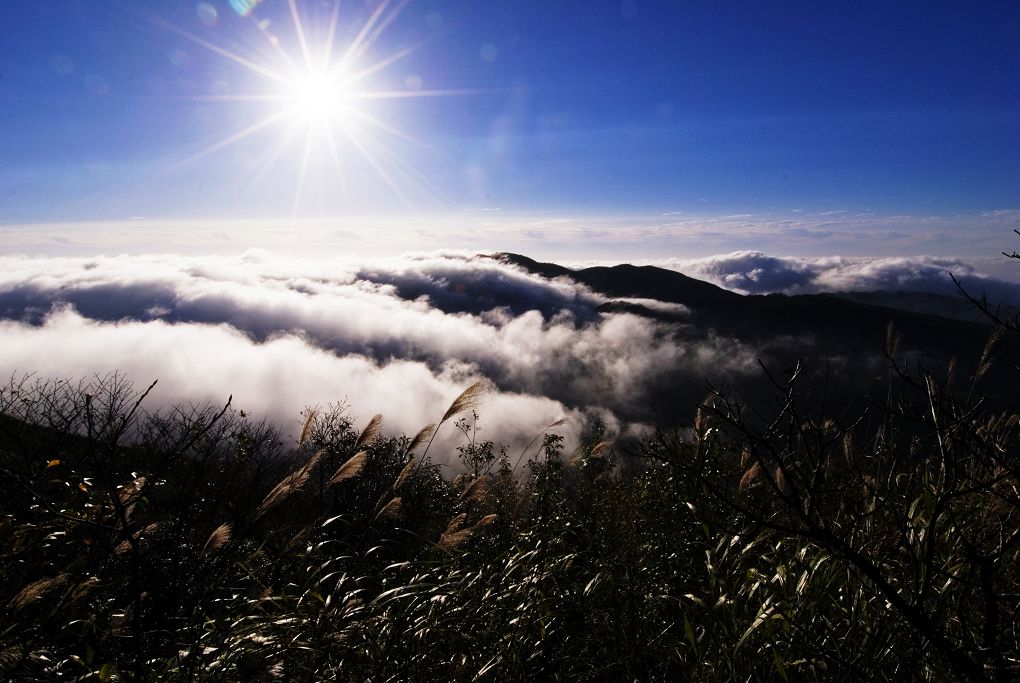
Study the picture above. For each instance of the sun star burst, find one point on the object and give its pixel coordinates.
(321, 92)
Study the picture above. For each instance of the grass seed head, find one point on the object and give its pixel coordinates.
(477, 489)
(780, 478)
(370, 433)
(391, 510)
(308, 427)
(405, 474)
(218, 538)
(750, 476)
(485, 521)
(451, 541)
(985, 364)
(36, 590)
(456, 523)
(350, 469)
(468, 399)
(289, 484)
(421, 437)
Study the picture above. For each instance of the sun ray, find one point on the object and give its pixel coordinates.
(252, 97)
(349, 53)
(223, 52)
(358, 143)
(417, 179)
(278, 49)
(303, 173)
(327, 50)
(384, 154)
(404, 94)
(337, 164)
(299, 28)
(275, 152)
(392, 130)
(381, 64)
(319, 87)
(238, 136)
(368, 35)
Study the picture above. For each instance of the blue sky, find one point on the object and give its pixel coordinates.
(571, 123)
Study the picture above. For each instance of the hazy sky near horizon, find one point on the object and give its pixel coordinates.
(563, 128)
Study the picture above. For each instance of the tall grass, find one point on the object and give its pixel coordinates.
(878, 541)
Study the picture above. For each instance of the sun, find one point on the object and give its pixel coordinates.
(318, 90)
(317, 97)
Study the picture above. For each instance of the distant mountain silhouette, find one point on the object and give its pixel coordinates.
(634, 281)
(812, 326)
(928, 303)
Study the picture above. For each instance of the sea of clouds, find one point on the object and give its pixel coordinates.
(755, 272)
(400, 336)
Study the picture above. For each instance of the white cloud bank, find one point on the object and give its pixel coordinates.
(754, 272)
(400, 337)
(205, 363)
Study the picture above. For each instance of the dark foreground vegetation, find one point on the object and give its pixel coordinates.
(875, 539)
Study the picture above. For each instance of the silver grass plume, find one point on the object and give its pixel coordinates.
(391, 510)
(308, 427)
(370, 433)
(350, 469)
(468, 399)
(289, 484)
(218, 538)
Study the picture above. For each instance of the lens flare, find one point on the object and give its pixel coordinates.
(244, 7)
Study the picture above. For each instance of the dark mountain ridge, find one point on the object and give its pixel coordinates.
(929, 303)
(626, 280)
(791, 328)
